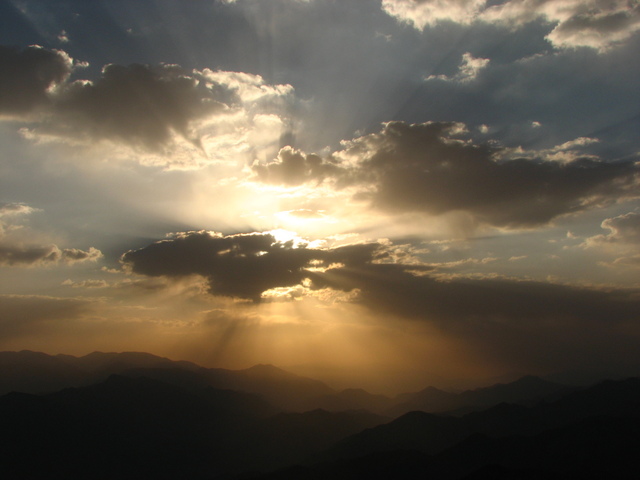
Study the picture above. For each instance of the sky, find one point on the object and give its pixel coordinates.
(384, 194)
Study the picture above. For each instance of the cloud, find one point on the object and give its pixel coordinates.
(623, 238)
(14, 251)
(428, 168)
(243, 265)
(293, 167)
(140, 104)
(17, 255)
(148, 107)
(14, 209)
(624, 230)
(468, 70)
(246, 265)
(453, 300)
(528, 324)
(522, 324)
(598, 24)
(423, 13)
(632, 261)
(27, 77)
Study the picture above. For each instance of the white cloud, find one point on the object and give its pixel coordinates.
(423, 13)
(468, 70)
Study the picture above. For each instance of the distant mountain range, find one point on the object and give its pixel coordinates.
(138, 416)
(589, 434)
(34, 372)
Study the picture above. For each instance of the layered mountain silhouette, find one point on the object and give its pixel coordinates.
(138, 416)
(34, 372)
(527, 390)
(593, 433)
(144, 428)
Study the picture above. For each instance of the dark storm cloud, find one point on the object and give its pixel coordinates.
(243, 265)
(428, 168)
(27, 75)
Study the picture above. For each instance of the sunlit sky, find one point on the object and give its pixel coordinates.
(380, 194)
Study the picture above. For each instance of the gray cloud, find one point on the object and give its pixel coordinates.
(429, 168)
(14, 252)
(532, 324)
(138, 105)
(523, 324)
(141, 104)
(243, 265)
(629, 262)
(598, 24)
(623, 228)
(19, 255)
(27, 77)
(293, 167)
(599, 29)
(623, 239)
(456, 300)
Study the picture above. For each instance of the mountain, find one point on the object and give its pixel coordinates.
(291, 438)
(122, 428)
(594, 448)
(159, 419)
(432, 434)
(144, 428)
(588, 434)
(353, 399)
(419, 431)
(33, 372)
(527, 390)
